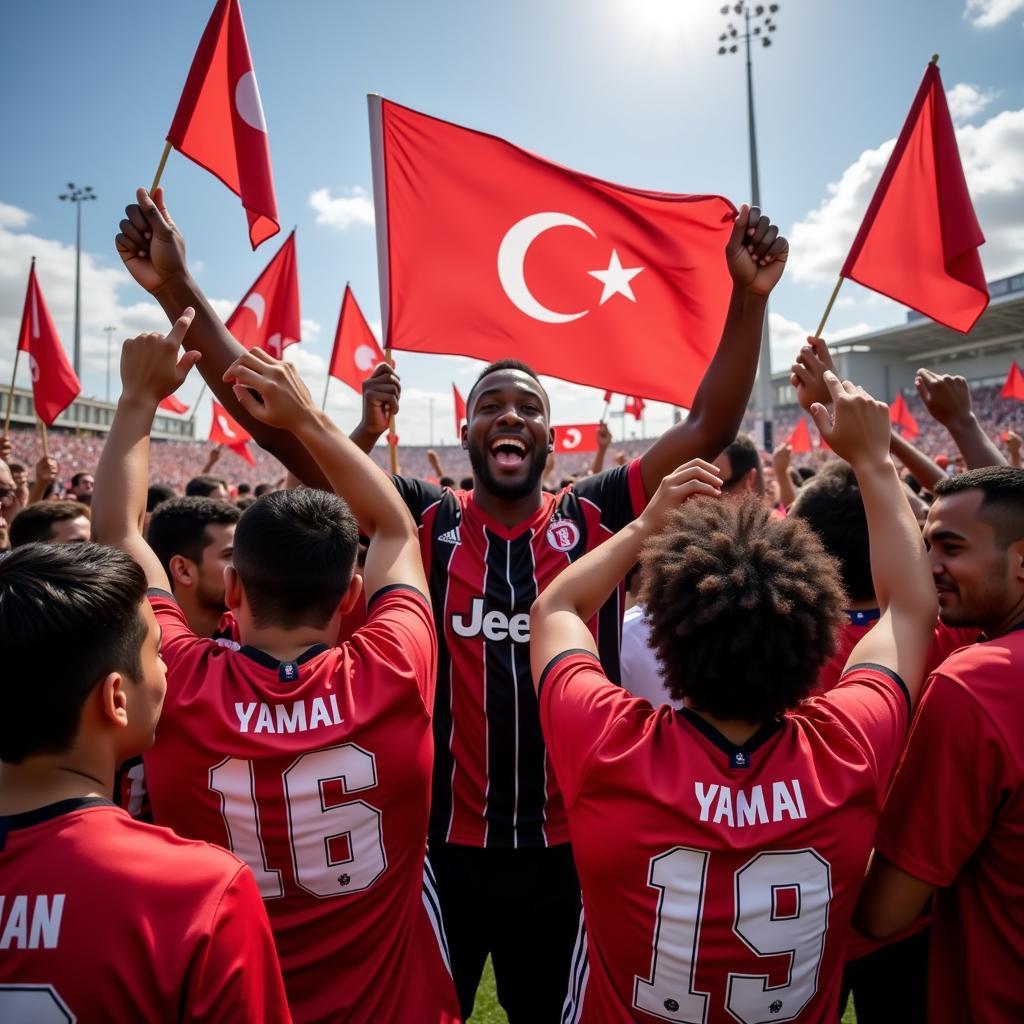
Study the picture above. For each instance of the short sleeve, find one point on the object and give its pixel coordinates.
(873, 704)
(177, 640)
(952, 780)
(618, 493)
(238, 976)
(399, 633)
(418, 495)
(578, 706)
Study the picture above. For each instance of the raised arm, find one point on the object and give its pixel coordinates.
(604, 439)
(757, 255)
(284, 400)
(948, 399)
(150, 371)
(780, 463)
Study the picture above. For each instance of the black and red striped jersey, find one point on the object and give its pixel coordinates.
(493, 782)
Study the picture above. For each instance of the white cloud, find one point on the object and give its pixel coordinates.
(13, 217)
(343, 211)
(789, 336)
(986, 13)
(310, 329)
(993, 158)
(966, 101)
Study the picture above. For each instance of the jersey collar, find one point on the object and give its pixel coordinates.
(39, 815)
(739, 754)
(531, 522)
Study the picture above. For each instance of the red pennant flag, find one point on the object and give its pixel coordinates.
(219, 122)
(577, 437)
(1014, 386)
(268, 316)
(54, 384)
(918, 242)
(608, 396)
(900, 415)
(635, 407)
(356, 352)
(173, 404)
(226, 431)
(460, 411)
(800, 440)
(527, 256)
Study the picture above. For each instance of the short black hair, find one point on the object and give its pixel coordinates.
(743, 457)
(466, 483)
(204, 486)
(16, 467)
(1002, 503)
(294, 554)
(158, 493)
(447, 481)
(77, 478)
(831, 504)
(744, 607)
(245, 501)
(244, 489)
(507, 364)
(34, 523)
(806, 473)
(69, 615)
(262, 489)
(178, 527)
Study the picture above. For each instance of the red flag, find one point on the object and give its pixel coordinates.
(900, 415)
(608, 396)
(578, 437)
(269, 316)
(219, 122)
(635, 407)
(460, 411)
(800, 440)
(224, 430)
(173, 404)
(54, 384)
(1014, 386)
(526, 256)
(356, 352)
(918, 242)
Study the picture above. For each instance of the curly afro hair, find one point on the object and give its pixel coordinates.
(744, 607)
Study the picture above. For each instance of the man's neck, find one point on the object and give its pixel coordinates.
(507, 511)
(38, 782)
(733, 729)
(202, 620)
(1008, 623)
(286, 644)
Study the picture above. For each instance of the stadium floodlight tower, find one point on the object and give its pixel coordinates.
(757, 26)
(78, 196)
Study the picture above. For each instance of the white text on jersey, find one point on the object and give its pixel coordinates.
(749, 807)
(40, 931)
(495, 625)
(275, 718)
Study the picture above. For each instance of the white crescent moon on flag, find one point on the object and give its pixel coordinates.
(512, 253)
(248, 103)
(572, 438)
(33, 368)
(364, 358)
(255, 302)
(228, 432)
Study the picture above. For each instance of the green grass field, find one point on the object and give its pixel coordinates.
(487, 1010)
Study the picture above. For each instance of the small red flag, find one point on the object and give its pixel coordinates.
(577, 437)
(487, 249)
(460, 411)
(800, 440)
(1014, 386)
(608, 396)
(224, 430)
(219, 122)
(635, 407)
(356, 352)
(268, 317)
(173, 404)
(900, 416)
(54, 384)
(918, 242)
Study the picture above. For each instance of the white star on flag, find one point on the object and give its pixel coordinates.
(616, 279)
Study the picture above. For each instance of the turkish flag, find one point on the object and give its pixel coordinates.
(800, 440)
(173, 404)
(54, 383)
(460, 411)
(356, 352)
(268, 317)
(577, 437)
(918, 242)
(1014, 386)
(635, 407)
(488, 250)
(224, 430)
(900, 416)
(219, 122)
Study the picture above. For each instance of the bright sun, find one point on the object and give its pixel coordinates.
(674, 18)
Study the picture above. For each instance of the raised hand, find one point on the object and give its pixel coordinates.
(780, 459)
(382, 391)
(46, 471)
(283, 399)
(150, 366)
(808, 373)
(946, 397)
(756, 252)
(604, 435)
(858, 428)
(696, 477)
(149, 242)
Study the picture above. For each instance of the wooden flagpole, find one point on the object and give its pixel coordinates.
(160, 166)
(42, 436)
(392, 431)
(828, 308)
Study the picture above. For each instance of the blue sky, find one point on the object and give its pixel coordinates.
(629, 90)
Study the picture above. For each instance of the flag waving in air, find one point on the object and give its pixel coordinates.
(1014, 384)
(268, 317)
(219, 121)
(224, 430)
(576, 437)
(919, 240)
(800, 440)
(900, 416)
(54, 384)
(356, 351)
(460, 411)
(486, 249)
(173, 404)
(634, 407)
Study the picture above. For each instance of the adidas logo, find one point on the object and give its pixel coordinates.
(450, 537)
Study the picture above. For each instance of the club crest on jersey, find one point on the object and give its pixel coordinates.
(563, 534)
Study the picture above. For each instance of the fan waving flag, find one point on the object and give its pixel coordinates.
(634, 407)
(173, 404)
(219, 122)
(800, 440)
(460, 411)
(356, 352)
(919, 240)
(1014, 386)
(577, 437)
(54, 384)
(268, 317)
(900, 416)
(224, 430)
(485, 250)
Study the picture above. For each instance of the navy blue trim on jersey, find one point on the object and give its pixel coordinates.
(885, 672)
(561, 657)
(27, 819)
(759, 739)
(397, 586)
(269, 661)
(861, 617)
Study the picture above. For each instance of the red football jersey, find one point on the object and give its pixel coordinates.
(316, 772)
(718, 880)
(493, 783)
(955, 819)
(103, 918)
